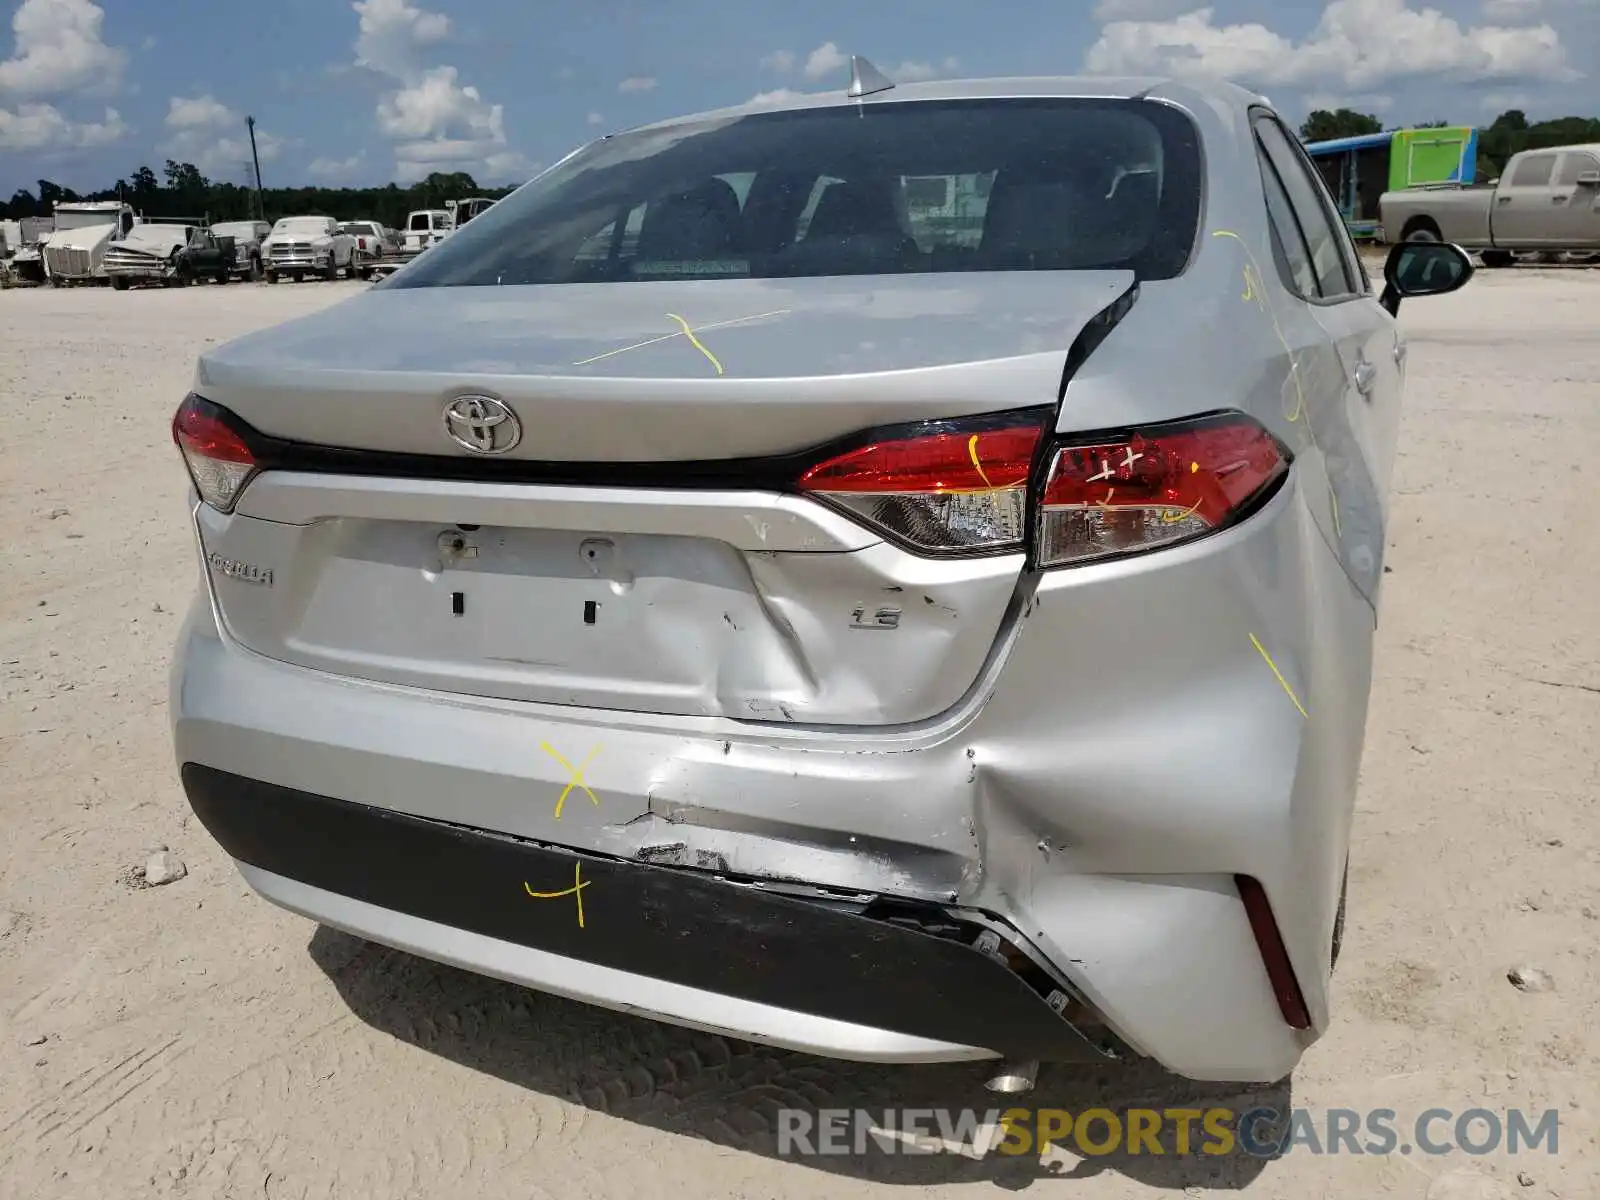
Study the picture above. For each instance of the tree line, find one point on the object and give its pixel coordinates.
(184, 192)
(1510, 133)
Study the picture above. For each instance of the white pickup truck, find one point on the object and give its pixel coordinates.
(1547, 201)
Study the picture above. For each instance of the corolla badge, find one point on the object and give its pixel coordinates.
(482, 424)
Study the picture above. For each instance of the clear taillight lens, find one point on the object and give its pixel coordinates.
(219, 461)
(943, 487)
(1155, 487)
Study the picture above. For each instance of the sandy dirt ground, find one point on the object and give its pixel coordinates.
(191, 1041)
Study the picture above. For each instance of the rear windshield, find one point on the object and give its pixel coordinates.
(886, 188)
(421, 220)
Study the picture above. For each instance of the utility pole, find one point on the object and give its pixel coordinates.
(256, 159)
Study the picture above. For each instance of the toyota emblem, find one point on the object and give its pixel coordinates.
(482, 424)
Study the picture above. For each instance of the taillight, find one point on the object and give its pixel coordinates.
(219, 461)
(944, 486)
(1154, 487)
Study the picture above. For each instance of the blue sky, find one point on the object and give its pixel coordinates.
(366, 92)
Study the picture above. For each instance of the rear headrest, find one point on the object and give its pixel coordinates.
(854, 210)
(1065, 222)
(702, 222)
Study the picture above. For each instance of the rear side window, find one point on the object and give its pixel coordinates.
(1574, 165)
(1534, 171)
(883, 188)
(1324, 233)
(419, 221)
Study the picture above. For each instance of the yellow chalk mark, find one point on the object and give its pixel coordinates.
(1169, 519)
(575, 779)
(972, 451)
(689, 333)
(1254, 641)
(1259, 295)
(1194, 468)
(575, 891)
(667, 337)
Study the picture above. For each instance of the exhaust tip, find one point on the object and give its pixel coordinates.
(1014, 1077)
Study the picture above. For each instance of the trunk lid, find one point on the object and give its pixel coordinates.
(750, 603)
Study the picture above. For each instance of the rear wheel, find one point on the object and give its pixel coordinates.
(1498, 258)
(272, 277)
(119, 283)
(1421, 230)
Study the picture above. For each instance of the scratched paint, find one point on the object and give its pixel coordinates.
(574, 776)
(575, 891)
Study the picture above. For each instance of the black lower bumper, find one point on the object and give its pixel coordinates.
(682, 926)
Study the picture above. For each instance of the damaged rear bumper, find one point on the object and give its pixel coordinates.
(1126, 754)
(835, 975)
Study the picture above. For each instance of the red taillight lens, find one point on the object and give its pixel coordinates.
(1152, 488)
(949, 486)
(219, 461)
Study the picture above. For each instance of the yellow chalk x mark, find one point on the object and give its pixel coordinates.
(667, 337)
(575, 891)
(1262, 650)
(694, 341)
(1194, 468)
(972, 451)
(575, 777)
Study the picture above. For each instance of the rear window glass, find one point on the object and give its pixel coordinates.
(887, 188)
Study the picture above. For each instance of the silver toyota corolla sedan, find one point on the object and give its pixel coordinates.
(890, 574)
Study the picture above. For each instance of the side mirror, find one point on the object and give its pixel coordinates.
(1589, 179)
(1423, 269)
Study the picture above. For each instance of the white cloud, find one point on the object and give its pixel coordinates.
(825, 60)
(595, 118)
(776, 96)
(204, 131)
(638, 83)
(914, 72)
(199, 112)
(391, 33)
(59, 50)
(781, 61)
(436, 121)
(337, 170)
(1358, 45)
(42, 127)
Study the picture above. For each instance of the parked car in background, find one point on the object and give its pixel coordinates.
(426, 227)
(943, 640)
(247, 238)
(1546, 201)
(147, 253)
(373, 241)
(208, 257)
(301, 246)
(462, 211)
(75, 252)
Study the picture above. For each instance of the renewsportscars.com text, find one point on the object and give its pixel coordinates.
(1260, 1132)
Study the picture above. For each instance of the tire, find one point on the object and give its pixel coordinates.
(255, 270)
(272, 277)
(331, 271)
(1495, 259)
(222, 277)
(119, 283)
(1422, 230)
(298, 277)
